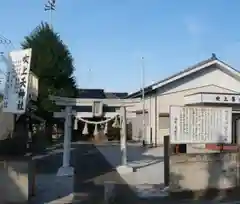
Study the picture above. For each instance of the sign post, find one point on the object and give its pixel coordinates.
(200, 125)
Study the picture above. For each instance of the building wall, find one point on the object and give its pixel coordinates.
(211, 79)
(6, 123)
(14, 181)
(151, 120)
(211, 75)
(137, 126)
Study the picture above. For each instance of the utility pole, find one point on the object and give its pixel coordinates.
(50, 6)
(143, 102)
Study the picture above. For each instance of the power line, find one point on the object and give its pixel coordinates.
(6, 43)
(4, 40)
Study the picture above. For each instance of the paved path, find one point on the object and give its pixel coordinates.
(91, 170)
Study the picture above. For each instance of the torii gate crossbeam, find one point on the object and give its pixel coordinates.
(122, 104)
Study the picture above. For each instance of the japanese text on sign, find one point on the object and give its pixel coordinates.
(220, 98)
(16, 88)
(200, 125)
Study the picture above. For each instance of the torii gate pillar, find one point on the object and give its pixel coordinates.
(66, 169)
(123, 168)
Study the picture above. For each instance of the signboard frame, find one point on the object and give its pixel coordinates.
(227, 139)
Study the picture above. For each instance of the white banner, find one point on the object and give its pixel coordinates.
(16, 85)
(200, 125)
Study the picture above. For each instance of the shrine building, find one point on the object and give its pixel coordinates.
(211, 82)
(90, 109)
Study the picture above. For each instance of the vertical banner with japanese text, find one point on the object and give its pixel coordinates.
(16, 86)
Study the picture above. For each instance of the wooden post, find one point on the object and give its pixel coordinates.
(30, 134)
(166, 160)
(34, 183)
(32, 178)
(151, 141)
(177, 149)
(238, 162)
(221, 147)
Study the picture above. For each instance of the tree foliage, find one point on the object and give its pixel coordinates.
(52, 62)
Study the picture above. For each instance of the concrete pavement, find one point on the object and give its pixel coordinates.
(91, 171)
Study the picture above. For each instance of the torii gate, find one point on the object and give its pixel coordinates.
(125, 108)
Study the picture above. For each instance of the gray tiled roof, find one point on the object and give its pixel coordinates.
(149, 88)
(91, 93)
(116, 94)
(100, 94)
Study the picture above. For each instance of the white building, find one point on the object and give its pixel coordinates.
(210, 82)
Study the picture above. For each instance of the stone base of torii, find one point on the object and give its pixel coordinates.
(122, 104)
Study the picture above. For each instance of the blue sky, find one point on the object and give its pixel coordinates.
(107, 38)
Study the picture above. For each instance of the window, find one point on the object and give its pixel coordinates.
(164, 122)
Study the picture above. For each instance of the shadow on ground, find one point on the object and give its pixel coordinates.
(91, 171)
(137, 156)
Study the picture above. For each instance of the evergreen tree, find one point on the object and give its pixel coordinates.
(52, 62)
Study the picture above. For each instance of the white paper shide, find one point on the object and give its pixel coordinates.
(200, 125)
(16, 88)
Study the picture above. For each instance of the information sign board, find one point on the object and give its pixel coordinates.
(200, 125)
